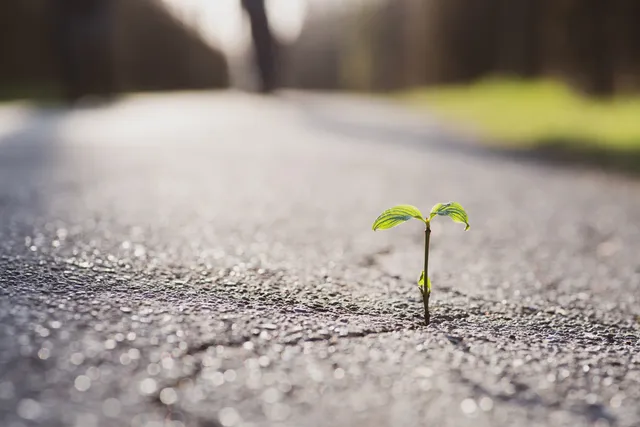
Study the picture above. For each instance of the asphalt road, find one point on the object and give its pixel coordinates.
(207, 260)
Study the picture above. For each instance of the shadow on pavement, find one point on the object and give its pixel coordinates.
(321, 116)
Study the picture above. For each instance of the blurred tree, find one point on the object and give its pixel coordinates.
(316, 60)
(83, 36)
(598, 49)
(27, 63)
(518, 53)
(263, 42)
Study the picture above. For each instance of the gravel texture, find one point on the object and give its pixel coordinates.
(207, 260)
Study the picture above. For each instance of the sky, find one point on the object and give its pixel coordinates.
(222, 23)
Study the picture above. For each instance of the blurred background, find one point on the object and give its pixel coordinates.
(329, 44)
(562, 73)
(395, 44)
(181, 179)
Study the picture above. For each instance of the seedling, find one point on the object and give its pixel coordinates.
(401, 213)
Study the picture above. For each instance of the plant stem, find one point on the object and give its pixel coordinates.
(426, 291)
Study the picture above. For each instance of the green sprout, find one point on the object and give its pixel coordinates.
(401, 213)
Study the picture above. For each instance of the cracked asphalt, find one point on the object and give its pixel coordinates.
(207, 260)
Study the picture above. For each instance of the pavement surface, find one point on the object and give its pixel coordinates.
(207, 260)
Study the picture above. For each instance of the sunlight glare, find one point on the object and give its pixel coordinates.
(222, 23)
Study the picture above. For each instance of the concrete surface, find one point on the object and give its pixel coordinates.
(207, 260)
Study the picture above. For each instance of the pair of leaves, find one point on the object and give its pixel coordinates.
(401, 213)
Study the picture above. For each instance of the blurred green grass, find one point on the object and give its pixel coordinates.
(540, 115)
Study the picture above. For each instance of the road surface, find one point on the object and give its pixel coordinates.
(207, 260)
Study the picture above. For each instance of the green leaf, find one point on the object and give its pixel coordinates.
(453, 210)
(396, 215)
(421, 282)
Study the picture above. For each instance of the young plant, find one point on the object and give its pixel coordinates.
(401, 213)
